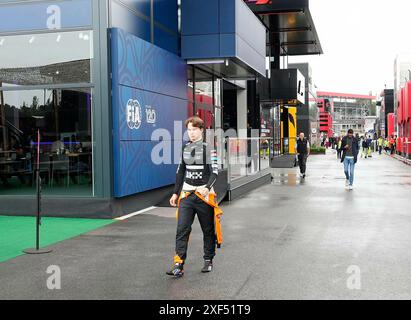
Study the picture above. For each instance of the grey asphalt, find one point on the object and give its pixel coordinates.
(287, 240)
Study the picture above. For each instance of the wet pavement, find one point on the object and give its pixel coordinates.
(292, 239)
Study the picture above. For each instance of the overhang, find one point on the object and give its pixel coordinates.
(223, 36)
(291, 20)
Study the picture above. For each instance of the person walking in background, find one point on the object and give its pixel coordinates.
(349, 158)
(370, 147)
(380, 145)
(386, 145)
(364, 150)
(303, 151)
(392, 145)
(265, 146)
(339, 150)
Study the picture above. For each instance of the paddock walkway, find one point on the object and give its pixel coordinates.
(287, 240)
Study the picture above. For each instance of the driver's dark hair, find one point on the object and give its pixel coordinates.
(197, 122)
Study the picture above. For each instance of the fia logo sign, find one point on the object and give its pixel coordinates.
(133, 114)
(151, 115)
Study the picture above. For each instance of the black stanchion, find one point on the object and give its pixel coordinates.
(37, 249)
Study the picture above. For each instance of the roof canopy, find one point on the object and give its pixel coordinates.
(345, 95)
(291, 22)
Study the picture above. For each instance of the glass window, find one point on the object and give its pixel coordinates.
(204, 87)
(52, 58)
(190, 91)
(204, 97)
(63, 118)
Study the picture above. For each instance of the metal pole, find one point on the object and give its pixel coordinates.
(38, 192)
(3, 119)
(37, 250)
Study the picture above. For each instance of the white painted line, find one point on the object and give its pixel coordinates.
(135, 214)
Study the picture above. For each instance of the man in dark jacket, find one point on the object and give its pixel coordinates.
(365, 146)
(303, 151)
(350, 149)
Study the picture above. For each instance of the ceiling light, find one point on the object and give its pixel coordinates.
(32, 39)
(58, 38)
(2, 41)
(86, 37)
(81, 35)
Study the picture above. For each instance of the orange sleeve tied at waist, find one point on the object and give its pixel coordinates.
(211, 200)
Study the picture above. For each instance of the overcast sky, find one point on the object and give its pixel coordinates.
(360, 40)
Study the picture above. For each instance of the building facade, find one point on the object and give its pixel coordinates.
(387, 107)
(308, 114)
(349, 111)
(402, 74)
(403, 118)
(99, 80)
(102, 87)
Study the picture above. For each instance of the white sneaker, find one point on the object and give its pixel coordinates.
(347, 183)
(351, 188)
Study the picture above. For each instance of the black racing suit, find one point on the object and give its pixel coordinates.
(198, 168)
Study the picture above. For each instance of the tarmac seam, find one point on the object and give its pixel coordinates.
(243, 285)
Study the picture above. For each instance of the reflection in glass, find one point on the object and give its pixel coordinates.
(64, 119)
(51, 58)
(271, 128)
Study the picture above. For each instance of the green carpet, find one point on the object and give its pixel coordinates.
(18, 233)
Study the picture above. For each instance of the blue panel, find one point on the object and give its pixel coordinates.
(227, 16)
(142, 6)
(124, 19)
(166, 13)
(166, 40)
(202, 46)
(166, 109)
(228, 45)
(151, 83)
(35, 16)
(144, 66)
(137, 170)
(199, 17)
(239, 32)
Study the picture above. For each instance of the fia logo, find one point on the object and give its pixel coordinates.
(151, 115)
(133, 114)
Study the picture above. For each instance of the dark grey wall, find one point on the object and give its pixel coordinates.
(102, 96)
(303, 112)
